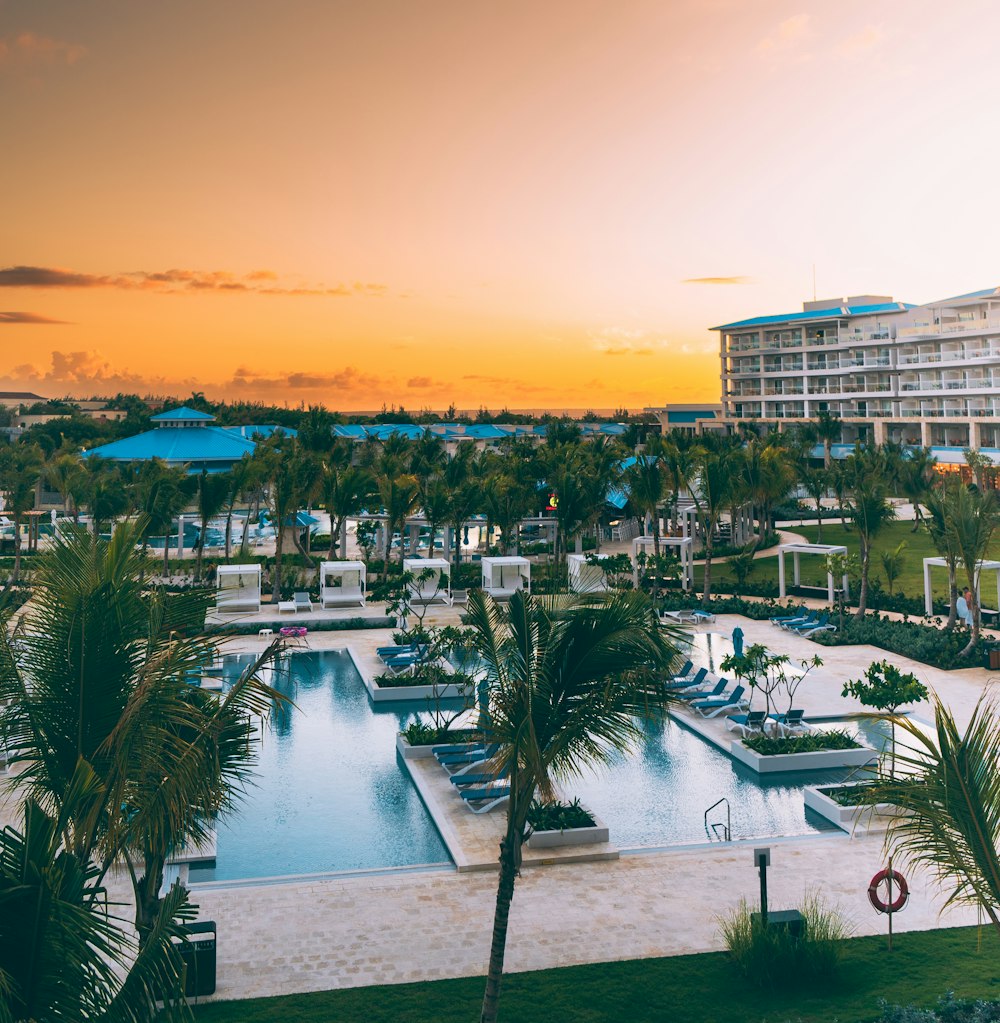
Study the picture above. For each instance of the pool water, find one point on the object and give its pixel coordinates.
(329, 793)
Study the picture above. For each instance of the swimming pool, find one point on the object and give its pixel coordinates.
(329, 794)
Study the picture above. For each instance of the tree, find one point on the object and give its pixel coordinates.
(761, 670)
(938, 503)
(829, 429)
(400, 498)
(347, 491)
(566, 689)
(159, 493)
(646, 488)
(20, 470)
(815, 482)
(125, 758)
(870, 513)
(66, 475)
(741, 566)
(972, 518)
(893, 563)
(916, 480)
(715, 489)
(948, 804)
(211, 497)
(886, 688)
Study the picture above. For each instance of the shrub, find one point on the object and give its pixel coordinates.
(772, 957)
(556, 816)
(814, 742)
(920, 640)
(425, 675)
(949, 1009)
(416, 733)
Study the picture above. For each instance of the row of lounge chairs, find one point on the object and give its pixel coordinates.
(402, 659)
(470, 771)
(805, 623)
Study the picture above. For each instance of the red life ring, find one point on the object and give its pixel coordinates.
(883, 877)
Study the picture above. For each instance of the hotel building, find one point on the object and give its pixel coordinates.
(927, 375)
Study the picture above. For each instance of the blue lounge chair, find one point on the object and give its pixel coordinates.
(701, 694)
(456, 747)
(752, 721)
(688, 683)
(474, 756)
(791, 721)
(809, 619)
(713, 708)
(391, 651)
(798, 615)
(809, 627)
(703, 616)
(684, 673)
(477, 778)
(490, 797)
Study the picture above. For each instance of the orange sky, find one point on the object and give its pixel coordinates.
(500, 204)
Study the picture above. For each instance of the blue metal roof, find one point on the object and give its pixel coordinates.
(261, 432)
(832, 313)
(183, 413)
(183, 444)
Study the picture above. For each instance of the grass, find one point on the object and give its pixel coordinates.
(683, 989)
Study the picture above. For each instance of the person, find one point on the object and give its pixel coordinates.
(964, 606)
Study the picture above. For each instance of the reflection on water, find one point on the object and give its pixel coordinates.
(329, 792)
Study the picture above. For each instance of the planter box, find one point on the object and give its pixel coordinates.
(451, 691)
(849, 818)
(571, 836)
(820, 760)
(408, 752)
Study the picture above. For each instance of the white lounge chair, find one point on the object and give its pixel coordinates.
(302, 601)
(288, 606)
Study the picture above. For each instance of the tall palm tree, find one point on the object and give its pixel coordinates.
(117, 748)
(566, 689)
(160, 492)
(211, 498)
(973, 519)
(870, 513)
(347, 490)
(829, 429)
(66, 475)
(916, 480)
(20, 471)
(815, 482)
(400, 497)
(717, 486)
(647, 488)
(938, 503)
(948, 801)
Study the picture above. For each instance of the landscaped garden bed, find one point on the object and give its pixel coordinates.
(417, 741)
(428, 682)
(813, 752)
(845, 805)
(558, 824)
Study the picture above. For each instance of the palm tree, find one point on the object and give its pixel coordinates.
(566, 689)
(815, 482)
(435, 500)
(973, 519)
(717, 486)
(347, 490)
(160, 492)
(870, 513)
(646, 487)
(400, 497)
(211, 497)
(66, 475)
(829, 429)
(241, 479)
(949, 804)
(917, 480)
(118, 750)
(20, 471)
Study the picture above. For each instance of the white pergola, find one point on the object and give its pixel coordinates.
(428, 589)
(584, 576)
(503, 577)
(683, 545)
(342, 582)
(929, 563)
(237, 588)
(797, 550)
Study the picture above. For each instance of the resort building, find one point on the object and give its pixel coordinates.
(689, 418)
(188, 437)
(921, 375)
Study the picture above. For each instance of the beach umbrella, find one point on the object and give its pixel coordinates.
(738, 641)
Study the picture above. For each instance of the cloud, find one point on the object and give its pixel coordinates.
(506, 383)
(623, 341)
(348, 378)
(861, 43)
(177, 281)
(420, 382)
(28, 49)
(21, 317)
(716, 280)
(787, 38)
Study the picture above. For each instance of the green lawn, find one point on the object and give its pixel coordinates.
(681, 989)
(910, 582)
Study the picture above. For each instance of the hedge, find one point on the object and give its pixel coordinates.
(314, 625)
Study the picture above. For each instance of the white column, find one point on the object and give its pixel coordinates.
(781, 573)
(180, 536)
(796, 568)
(928, 603)
(829, 586)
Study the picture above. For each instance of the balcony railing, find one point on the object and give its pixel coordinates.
(934, 357)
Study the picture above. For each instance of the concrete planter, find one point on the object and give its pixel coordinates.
(820, 760)
(408, 752)
(571, 836)
(384, 694)
(850, 818)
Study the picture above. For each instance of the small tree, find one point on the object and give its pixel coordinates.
(761, 670)
(742, 566)
(838, 565)
(886, 688)
(617, 569)
(893, 563)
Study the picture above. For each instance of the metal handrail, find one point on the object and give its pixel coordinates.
(728, 827)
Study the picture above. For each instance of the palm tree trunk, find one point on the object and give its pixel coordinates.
(510, 862)
(279, 532)
(863, 594)
(819, 520)
(706, 593)
(953, 598)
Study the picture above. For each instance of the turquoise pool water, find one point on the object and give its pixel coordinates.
(329, 794)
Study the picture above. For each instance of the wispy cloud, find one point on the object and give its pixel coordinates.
(862, 43)
(22, 317)
(785, 41)
(622, 341)
(716, 280)
(31, 50)
(420, 382)
(507, 384)
(178, 281)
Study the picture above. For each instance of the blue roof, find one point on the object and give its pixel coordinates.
(261, 432)
(832, 313)
(183, 444)
(183, 413)
(985, 293)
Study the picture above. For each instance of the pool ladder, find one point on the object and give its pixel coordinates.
(718, 831)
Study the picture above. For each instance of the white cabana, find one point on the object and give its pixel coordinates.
(503, 577)
(797, 550)
(431, 580)
(584, 575)
(929, 563)
(341, 583)
(683, 546)
(237, 588)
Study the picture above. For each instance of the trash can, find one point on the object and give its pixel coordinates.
(991, 656)
(198, 956)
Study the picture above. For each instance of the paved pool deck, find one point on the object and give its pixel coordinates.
(388, 928)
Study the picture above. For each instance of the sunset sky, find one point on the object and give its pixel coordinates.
(537, 204)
